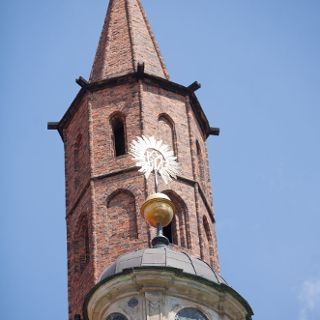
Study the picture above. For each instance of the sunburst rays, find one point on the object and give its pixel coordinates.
(151, 155)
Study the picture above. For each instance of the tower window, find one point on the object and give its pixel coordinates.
(76, 159)
(81, 246)
(200, 162)
(177, 231)
(76, 152)
(121, 208)
(167, 232)
(85, 249)
(119, 136)
(167, 132)
(208, 241)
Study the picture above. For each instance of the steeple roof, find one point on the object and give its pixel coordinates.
(125, 41)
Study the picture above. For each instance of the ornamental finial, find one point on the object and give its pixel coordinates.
(152, 156)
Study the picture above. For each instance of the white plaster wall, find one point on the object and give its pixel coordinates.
(156, 306)
(160, 295)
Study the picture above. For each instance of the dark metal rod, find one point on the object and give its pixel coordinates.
(159, 230)
(155, 181)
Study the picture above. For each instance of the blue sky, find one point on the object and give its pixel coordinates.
(258, 62)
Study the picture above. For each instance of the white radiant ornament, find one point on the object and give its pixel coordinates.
(154, 156)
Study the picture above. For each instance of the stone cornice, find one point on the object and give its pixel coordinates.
(170, 282)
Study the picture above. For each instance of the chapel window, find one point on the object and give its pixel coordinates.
(190, 314)
(116, 316)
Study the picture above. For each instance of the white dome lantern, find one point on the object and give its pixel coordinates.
(162, 284)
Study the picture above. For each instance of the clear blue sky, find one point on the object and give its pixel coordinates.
(258, 62)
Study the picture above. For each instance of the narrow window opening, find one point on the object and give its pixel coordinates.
(167, 132)
(200, 162)
(76, 160)
(177, 232)
(167, 232)
(208, 239)
(119, 138)
(76, 153)
(83, 246)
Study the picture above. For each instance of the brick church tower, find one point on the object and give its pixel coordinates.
(129, 94)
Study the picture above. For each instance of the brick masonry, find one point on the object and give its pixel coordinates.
(104, 192)
(126, 40)
(108, 205)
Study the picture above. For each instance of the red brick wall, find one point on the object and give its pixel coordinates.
(78, 127)
(104, 104)
(125, 41)
(80, 277)
(118, 226)
(107, 196)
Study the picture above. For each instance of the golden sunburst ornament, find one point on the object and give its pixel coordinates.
(154, 156)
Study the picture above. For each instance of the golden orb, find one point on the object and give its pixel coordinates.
(158, 209)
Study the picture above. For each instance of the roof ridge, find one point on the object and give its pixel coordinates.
(191, 262)
(126, 40)
(153, 38)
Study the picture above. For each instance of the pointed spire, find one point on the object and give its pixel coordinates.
(125, 41)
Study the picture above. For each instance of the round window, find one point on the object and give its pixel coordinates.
(116, 316)
(190, 314)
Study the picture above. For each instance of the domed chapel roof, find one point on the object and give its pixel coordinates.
(162, 257)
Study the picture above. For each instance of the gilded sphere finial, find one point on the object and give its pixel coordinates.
(158, 209)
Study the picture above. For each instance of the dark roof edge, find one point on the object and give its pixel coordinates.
(147, 78)
(68, 114)
(220, 287)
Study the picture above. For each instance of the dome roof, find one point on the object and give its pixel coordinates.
(162, 257)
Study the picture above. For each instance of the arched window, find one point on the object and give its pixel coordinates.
(76, 159)
(167, 132)
(81, 245)
(190, 314)
(177, 232)
(208, 241)
(167, 232)
(116, 316)
(200, 161)
(118, 134)
(121, 208)
(84, 248)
